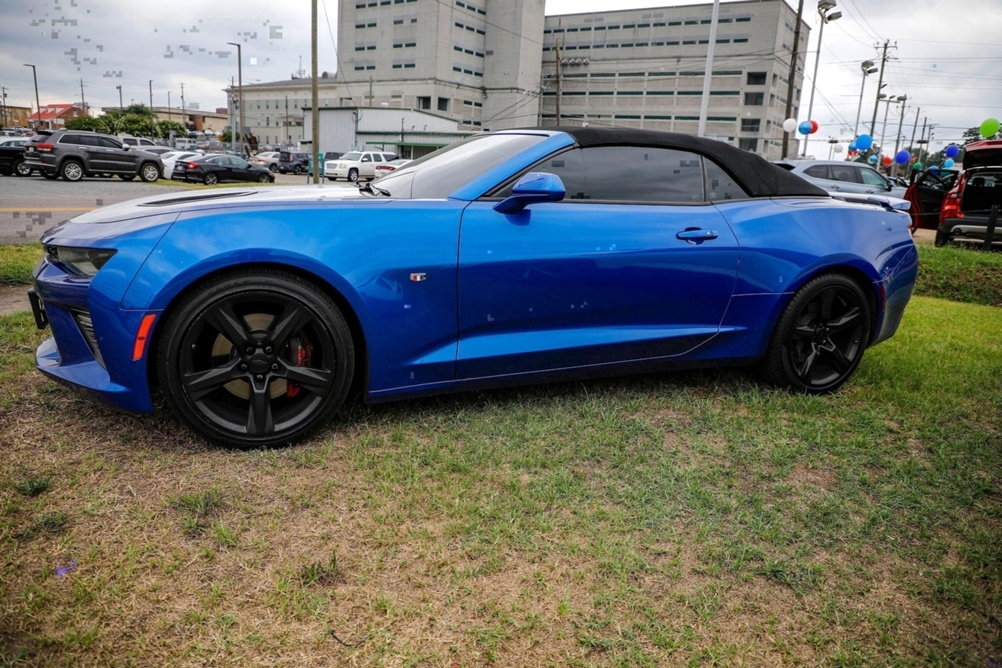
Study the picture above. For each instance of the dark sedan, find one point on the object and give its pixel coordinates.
(12, 158)
(218, 168)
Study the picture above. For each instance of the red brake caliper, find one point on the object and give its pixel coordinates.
(303, 351)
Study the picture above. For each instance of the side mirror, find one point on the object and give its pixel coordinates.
(533, 187)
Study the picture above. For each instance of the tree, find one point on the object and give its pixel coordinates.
(86, 123)
(974, 134)
(164, 128)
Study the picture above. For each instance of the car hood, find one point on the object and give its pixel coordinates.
(179, 202)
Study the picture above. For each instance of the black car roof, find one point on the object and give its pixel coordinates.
(759, 177)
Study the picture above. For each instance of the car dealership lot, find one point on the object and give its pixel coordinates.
(30, 205)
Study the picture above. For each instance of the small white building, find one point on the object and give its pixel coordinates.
(409, 133)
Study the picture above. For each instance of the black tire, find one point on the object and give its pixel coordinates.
(264, 178)
(353, 175)
(942, 238)
(71, 170)
(149, 172)
(127, 177)
(210, 179)
(230, 349)
(22, 168)
(298, 170)
(273, 167)
(50, 176)
(821, 336)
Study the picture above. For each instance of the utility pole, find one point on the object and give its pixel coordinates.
(559, 83)
(3, 100)
(880, 85)
(792, 76)
(911, 144)
(121, 110)
(184, 116)
(315, 102)
(897, 138)
(153, 118)
(708, 76)
(83, 102)
(285, 128)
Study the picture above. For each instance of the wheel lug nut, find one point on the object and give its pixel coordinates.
(268, 350)
(243, 367)
(249, 350)
(274, 367)
(259, 377)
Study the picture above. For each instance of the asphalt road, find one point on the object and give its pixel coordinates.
(31, 205)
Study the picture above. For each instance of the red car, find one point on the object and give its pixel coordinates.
(958, 204)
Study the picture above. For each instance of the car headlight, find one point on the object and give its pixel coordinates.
(84, 262)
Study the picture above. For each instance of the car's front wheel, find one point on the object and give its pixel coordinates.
(353, 175)
(256, 358)
(820, 338)
(149, 172)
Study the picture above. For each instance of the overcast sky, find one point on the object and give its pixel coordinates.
(947, 58)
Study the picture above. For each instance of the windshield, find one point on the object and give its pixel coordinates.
(441, 173)
(351, 156)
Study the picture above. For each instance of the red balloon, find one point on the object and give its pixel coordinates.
(814, 127)
(886, 160)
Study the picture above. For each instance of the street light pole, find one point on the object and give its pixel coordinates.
(121, 109)
(867, 68)
(825, 12)
(240, 93)
(153, 118)
(38, 105)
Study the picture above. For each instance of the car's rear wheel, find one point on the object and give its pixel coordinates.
(353, 175)
(820, 338)
(71, 170)
(210, 179)
(21, 168)
(149, 172)
(273, 167)
(256, 358)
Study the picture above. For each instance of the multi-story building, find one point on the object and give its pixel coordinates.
(495, 64)
(477, 61)
(273, 111)
(645, 68)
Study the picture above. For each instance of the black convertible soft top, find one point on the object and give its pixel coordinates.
(759, 177)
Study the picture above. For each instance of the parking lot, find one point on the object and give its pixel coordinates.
(31, 205)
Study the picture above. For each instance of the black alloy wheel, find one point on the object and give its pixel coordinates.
(263, 178)
(821, 336)
(256, 358)
(210, 179)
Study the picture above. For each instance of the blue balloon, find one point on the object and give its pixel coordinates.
(948, 163)
(853, 147)
(872, 159)
(902, 157)
(864, 142)
(804, 128)
(934, 168)
(952, 150)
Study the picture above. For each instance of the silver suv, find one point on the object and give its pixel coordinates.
(839, 176)
(74, 154)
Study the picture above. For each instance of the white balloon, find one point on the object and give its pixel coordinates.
(790, 124)
(838, 148)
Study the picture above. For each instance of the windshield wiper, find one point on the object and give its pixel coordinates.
(367, 187)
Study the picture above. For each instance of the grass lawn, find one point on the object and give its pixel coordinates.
(689, 518)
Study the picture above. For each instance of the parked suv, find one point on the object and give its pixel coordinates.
(839, 176)
(356, 164)
(959, 204)
(138, 142)
(74, 154)
(291, 161)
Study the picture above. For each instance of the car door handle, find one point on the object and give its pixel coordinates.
(696, 235)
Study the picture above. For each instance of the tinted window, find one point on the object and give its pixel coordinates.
(105, 142)
(239, 162)
(872, 178)
(720, 185)
(72, 139)
(846, 173)
(818, 172)
(627, 174)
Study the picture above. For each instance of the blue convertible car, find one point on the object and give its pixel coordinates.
(507, 258)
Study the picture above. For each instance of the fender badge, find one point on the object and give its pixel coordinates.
(417, 277)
